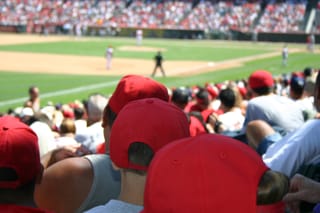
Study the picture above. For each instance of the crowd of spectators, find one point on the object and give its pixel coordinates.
(39, 14)
(222, 16)
(153, 14)
(282, 17)
(317, 21)
(45, 15)
(223, 101)
(265, 113)
(140, 14)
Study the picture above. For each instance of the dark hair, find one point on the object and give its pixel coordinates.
(140, 154)
(78, 112)
(202, 94)
(297, 85)
(272, 187)
(307, 72)
(227, 97)
(180, 96)
(109, 115)
(31, 88)
(263, 90)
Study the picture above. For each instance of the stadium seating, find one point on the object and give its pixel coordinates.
(188, 14)
(222, 16)
(283, 17)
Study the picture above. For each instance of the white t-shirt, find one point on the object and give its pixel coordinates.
(91, 136)
(65, 141)
(295, 149)
(232, 121)
(45, 137)
(81, 125)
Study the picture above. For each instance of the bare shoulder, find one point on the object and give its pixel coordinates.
(69, 182)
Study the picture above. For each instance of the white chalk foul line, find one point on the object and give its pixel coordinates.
(61, 92)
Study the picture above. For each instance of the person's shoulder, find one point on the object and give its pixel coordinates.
(98, 209)
(98, 158)
(256, 100)
(68, 177)
(116, 206)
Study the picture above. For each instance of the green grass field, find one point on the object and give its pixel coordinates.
(14, 85)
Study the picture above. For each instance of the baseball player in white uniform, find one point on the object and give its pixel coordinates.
(109, 54)
(285, 55)
(139, 36)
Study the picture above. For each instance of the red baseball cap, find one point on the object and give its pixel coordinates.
(213, 91)
(134, 87)
(206, 173)
(150, 121)
(260, 79)
(19, 151)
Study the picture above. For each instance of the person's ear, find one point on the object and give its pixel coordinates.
(272, 187)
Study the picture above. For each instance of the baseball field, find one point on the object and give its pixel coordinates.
(66, 68)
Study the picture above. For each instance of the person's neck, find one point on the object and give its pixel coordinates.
(69, 135)
(132, 188)
(257, 95)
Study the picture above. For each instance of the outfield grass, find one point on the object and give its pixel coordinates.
(175, 49)
(15, 85)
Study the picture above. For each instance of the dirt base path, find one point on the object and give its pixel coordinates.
(86, 65)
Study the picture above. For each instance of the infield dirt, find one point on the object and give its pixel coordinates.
(88, 65)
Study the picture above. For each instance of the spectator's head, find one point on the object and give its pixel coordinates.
(203, 98)
(130, 88)
(213, 91)
(96, 104)
(180, 97)
(142, 128)
(307, 72)
(210, 173)
(134, 87)
(228, 99)
(26, 115)
(309, 87)
(67, 126)
(261, 83)
(78, 113)
(20, 167)
(296, 87)
(33, 92)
